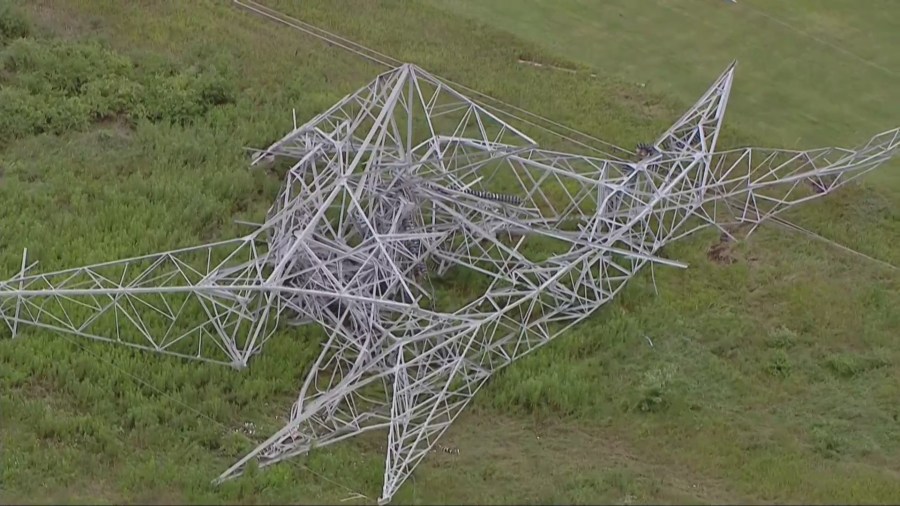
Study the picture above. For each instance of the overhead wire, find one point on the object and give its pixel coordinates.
(390, 62)
(809, 233)
(826, 43)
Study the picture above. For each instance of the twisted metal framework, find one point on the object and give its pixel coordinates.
(402, 183)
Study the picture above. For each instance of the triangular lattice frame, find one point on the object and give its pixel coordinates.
(403, 181)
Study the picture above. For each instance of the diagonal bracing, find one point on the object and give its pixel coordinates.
(403, 184)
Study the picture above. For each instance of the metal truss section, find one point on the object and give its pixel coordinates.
(403, 185)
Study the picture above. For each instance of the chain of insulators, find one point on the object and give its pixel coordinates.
(497, 197)
(446, 449)
(484, 195)
(644, 151)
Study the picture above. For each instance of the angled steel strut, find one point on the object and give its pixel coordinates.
(401, 182)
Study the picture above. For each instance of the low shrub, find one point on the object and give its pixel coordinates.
(55, 87)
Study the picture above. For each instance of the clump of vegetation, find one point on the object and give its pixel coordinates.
(655, 389)
(779, 364)
(849, 365)
(828, 441)
(782, 338)
(54, 87)
(13, 24)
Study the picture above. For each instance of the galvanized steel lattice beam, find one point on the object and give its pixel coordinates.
(401, 182)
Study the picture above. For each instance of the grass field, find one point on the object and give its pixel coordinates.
(774, 379)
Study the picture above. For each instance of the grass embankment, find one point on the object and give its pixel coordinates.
(772, 379)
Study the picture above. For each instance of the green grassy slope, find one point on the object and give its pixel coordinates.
(769, 380)
(797, 85)
(810, 73)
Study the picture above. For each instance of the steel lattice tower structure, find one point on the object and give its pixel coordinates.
(403, 181)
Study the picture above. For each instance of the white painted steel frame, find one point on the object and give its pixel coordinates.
(401, 182)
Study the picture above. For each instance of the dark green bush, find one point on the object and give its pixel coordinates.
(181, 97)
(13, 24)
(55, 87)
(21, 113)
(64, 66)
(66, 114)
(113, 96)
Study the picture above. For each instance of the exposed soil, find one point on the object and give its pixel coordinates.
(721, 252)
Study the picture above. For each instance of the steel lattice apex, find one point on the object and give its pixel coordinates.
(405, 184)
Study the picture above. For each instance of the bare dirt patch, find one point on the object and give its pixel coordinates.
(721, 254)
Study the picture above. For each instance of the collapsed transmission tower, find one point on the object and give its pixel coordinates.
(403, 182)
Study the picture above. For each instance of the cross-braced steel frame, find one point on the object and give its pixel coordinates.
(400, 183)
